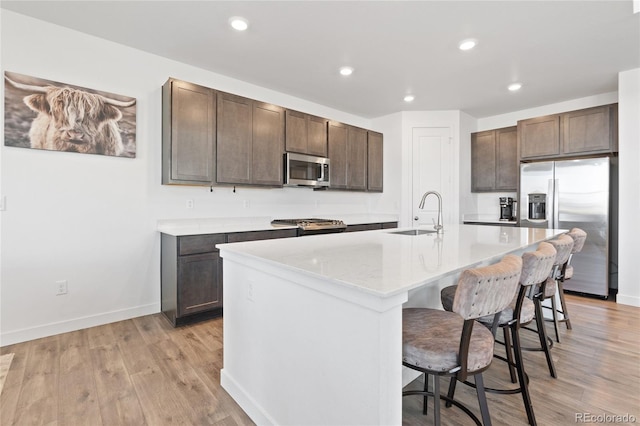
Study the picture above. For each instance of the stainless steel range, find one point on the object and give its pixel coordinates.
(313, 226)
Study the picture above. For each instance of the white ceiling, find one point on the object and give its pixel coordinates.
(559, 50)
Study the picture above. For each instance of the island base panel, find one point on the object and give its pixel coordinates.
(295, 355)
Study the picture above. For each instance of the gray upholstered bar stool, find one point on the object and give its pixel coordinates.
(536, 267)
(440, 343)
(564, 246)
(579, 237)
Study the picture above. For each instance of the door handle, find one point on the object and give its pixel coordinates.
(415, 218)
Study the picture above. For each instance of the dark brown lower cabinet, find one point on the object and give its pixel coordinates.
(191, 277)
(191, 272)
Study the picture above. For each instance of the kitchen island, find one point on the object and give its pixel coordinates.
(313, 326)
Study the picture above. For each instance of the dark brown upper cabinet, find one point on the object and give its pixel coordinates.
(494, 160)
(575, 133)
(211, 137)
(188, 133)
(306, 134)
(250, 141)
(374, 162)
(539, 137)
(590, 131)
(348, 155)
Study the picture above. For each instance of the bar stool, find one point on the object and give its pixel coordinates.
(536, 267)
(564, 246)
(579, 237)
(440, 343)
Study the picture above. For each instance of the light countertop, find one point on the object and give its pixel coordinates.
(383, 263)
(181, 227)
(487, 218)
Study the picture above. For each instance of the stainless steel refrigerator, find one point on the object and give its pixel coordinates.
(574, 193)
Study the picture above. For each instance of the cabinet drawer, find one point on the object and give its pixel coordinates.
(261, 235)
(194, 244)
(364, 227)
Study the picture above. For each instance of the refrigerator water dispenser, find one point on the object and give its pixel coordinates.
(537, 206)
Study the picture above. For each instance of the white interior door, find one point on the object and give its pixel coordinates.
(432, 166)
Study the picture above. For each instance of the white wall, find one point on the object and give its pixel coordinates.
(629, 186)
(91, 219)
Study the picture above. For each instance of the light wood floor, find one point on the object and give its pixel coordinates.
(143, 371)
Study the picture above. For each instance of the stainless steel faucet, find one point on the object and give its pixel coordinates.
(437, 226)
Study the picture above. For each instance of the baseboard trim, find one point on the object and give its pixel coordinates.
(244, 400)
(628, 300)
(31, 333)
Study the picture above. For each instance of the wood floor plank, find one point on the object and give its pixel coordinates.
(119, 404)
(38, 400)
(13, 382)
(100, 336)
(77, 388)
(206, 408)
(153, 328)
(133, 348)
(161, 404)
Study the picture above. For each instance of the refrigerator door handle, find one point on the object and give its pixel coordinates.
(556, 203)
(551, 198)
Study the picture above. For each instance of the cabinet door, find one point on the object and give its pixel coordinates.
(317, 136)
(234, 139)
(539, 137)
(296, 132)
(200, 278)
(507, 159)
(587, 131)
(483, 161)
(356, 159)
(337, 138)
(268, 145)
(189, 128)
(374, 162)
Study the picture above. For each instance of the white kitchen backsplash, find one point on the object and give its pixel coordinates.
(485, 203)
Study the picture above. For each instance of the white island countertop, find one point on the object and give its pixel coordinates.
(328, 308)
(385, 263)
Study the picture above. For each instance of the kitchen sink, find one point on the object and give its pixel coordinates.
(415, 232)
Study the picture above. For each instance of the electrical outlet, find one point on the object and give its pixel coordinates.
(61, 287)
(189, 204)
(250, 291)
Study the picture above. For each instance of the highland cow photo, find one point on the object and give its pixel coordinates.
(44, 114)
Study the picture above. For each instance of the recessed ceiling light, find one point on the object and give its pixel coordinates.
(514, 87)
(467, 44)
(238, 23)
(346, 70)
(409, 98)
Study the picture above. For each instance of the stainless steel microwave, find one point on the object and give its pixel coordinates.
(306, 170)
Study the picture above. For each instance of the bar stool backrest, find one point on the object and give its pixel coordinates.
(487, 290)
(579, 237)
(537, 265)
(563, 245)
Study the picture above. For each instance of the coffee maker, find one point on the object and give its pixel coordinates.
(507, 208)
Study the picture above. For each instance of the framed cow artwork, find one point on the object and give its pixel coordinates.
(44, 114)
